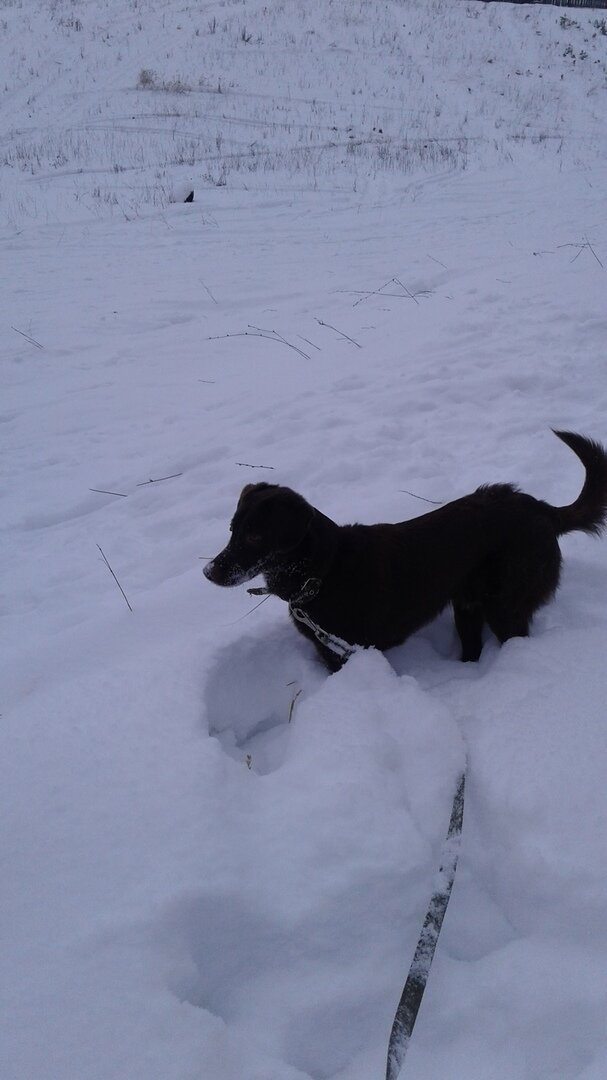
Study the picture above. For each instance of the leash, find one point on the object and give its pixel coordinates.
(413, 992)
(335, 644)
(309, 591)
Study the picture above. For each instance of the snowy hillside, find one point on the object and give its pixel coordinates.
(108, 107)
(389, 287)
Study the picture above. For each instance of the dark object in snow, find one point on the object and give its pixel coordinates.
(190, 197)
(493, 555)
(413, 992)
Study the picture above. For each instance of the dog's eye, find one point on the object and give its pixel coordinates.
(252, 538)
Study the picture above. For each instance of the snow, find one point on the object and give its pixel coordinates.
(216, 858)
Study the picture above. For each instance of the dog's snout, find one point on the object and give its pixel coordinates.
(222, 570)
(225, 569)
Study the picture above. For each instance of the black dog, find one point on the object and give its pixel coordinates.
(493, 555)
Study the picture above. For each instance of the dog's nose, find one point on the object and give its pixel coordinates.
(208, 569)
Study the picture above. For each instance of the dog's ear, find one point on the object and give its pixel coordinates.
(248, 488)
(291, 519)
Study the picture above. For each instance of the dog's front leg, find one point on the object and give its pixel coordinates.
(469, 621)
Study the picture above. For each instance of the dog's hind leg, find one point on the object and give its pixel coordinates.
(469, 621)
(507, 624)
(524, 582)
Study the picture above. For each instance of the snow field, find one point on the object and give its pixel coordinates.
(108, 107)
(217, 859)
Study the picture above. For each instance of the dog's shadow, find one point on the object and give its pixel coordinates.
(252, 693)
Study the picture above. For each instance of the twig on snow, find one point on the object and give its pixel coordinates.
(373, 292)
(158, 479)
(246, 465)
(408, 291)
(594, 253)
(364, 294)
(102, 491)
(292, 705)
(308, 342)
(206, 288)
(115, 578)
(340, 332)
(581, 247)
(269, 335)
(275, 336)
(27, 337)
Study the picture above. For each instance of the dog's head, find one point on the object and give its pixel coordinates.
(268, 526)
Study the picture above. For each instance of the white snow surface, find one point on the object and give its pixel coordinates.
(216, 858)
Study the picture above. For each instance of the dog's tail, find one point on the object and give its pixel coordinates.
(589, 511)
